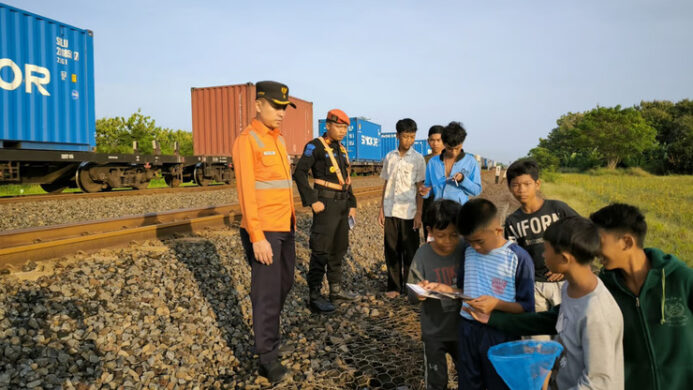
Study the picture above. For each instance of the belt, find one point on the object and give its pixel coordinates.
(336, 195)
(332, 186)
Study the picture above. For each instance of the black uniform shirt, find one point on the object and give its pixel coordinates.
(528, 231)
(316, 159)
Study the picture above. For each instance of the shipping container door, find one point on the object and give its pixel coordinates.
(47, 83)
(368, 141)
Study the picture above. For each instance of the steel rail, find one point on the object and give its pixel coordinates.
(18, 247)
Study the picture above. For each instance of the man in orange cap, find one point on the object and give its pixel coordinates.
(333, 204)
(265, 194)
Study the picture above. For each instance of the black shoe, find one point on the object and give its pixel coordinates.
(317, 303)
(274, 371)
(338, 294)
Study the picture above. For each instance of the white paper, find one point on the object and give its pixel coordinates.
(437, 294)
(420, 291)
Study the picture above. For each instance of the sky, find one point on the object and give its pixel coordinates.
(505, 69)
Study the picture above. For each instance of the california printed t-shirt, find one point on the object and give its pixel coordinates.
(528, 231)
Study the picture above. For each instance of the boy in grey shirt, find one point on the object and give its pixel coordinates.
(438, 261)
(590, 324)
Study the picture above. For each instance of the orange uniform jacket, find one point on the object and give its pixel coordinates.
(263, 179)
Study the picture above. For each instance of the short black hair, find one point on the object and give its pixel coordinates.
(406, 125)
(435, 129)
(622, 218)
(454, 134)
(575, 235)
(474, 215)
(523, 166)
(441, 213)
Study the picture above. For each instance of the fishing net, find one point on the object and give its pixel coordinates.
(524, 364)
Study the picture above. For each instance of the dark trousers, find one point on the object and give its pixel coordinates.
(474, 370)
(401, 243)
(435, 363)
(329, 239)
(269, 286)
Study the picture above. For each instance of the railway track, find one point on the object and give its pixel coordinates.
(35, 244)
(110, 194)
(125, 192)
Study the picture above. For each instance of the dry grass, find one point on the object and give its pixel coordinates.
(666, 201)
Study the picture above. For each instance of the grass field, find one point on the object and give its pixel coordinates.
(666, 201)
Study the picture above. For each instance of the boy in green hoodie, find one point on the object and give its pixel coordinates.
(655, 294)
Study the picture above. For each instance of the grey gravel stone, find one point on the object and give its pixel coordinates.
(177, 314)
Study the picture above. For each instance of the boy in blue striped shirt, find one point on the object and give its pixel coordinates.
(498, 275)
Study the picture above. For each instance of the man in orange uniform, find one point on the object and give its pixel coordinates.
(263, 179)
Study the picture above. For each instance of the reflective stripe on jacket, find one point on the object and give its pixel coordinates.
(263, 180)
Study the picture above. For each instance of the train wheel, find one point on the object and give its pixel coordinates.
(53, 188)
(199, 178)
(172, 181)
(85, 182)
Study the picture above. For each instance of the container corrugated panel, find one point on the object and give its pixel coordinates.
(46, 83)
(297, 127)
(219, 115)
(389, 143)
(362, 140)
(421, 146)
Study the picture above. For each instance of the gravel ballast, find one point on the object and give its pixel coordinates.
(177, 314)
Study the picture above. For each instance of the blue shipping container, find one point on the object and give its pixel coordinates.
(421, 146)
(46, 83)
(389, 141)
(362, 140)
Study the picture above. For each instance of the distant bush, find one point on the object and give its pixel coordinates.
(637, 171)
(633, 171)
(549, 176)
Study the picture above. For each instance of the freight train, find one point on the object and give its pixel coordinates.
(48, 126)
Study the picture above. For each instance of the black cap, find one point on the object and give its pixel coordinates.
(274, 92)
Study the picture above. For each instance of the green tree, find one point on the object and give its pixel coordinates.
(679, 154)
(617, 134)
(547, 161)
(116, 135)
(674, 125)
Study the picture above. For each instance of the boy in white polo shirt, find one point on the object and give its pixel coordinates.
(404, 171)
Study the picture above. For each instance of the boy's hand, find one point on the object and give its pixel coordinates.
(552, 277)
(417, 221)
(421, 284)
(381, 218)
(440, 287)
(484, 304)
(423, 190)
(477, 315)
(459, 177)
(352, 212)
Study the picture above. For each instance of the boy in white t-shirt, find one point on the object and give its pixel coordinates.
(404, 171)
